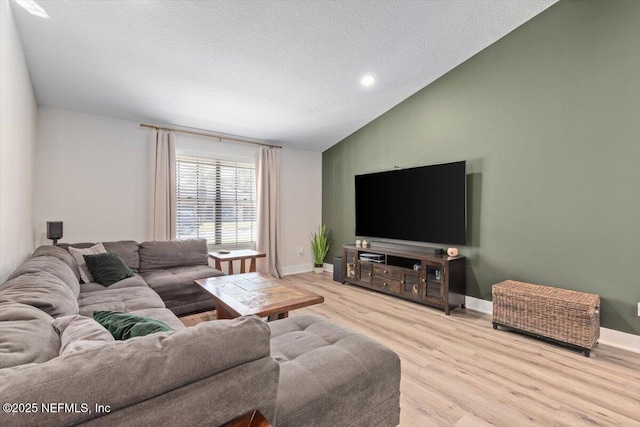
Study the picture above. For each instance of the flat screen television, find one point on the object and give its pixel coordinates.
(424, 204)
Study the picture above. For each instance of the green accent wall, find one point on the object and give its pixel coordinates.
(548, 120)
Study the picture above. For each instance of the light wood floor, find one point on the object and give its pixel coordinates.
(458, 371)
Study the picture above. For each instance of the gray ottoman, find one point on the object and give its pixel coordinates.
(330, 376)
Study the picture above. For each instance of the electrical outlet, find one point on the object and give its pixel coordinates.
(300, 251)
(639, 309)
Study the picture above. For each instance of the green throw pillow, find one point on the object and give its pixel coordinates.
(107, 268)
(125, 325)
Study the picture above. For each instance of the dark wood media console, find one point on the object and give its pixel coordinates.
(440, 280)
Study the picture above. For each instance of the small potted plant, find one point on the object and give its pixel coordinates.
(320, 246)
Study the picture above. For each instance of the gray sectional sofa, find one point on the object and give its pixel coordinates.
(299, 371)
(169, 268)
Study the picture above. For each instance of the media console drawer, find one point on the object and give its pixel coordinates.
(391, 285)
(387, 271)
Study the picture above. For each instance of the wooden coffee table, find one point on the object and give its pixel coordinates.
(256, 293)
(251, 419)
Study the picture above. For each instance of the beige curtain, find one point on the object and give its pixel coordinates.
(268, 189)
(162, 185)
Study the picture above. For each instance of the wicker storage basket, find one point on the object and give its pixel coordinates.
(560, 315)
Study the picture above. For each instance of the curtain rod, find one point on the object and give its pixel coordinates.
(209, 135)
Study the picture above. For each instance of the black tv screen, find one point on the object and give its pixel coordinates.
(425, 204)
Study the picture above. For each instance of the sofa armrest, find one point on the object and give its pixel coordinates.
(130, 372)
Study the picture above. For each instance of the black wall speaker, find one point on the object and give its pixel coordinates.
(54, 230)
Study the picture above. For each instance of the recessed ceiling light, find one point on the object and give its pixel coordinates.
(33, 8)
(367, 80)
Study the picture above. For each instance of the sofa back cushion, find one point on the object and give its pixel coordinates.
(128, 250)
(27, 335)
(172, 253)
(127, 372)
(60, 253)
(40, 290)
(51, 265)
(125, 249)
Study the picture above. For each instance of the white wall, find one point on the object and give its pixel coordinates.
(92, 175)
(17, 139)
(196, 146)
(301, 206)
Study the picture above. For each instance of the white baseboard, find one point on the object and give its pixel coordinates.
(619, 339)
(304, 268)
(477, 304)
(296, 269)
(623, 340)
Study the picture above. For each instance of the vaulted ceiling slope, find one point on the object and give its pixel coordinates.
(286, 72)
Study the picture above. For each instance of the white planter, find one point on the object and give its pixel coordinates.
(318, 269)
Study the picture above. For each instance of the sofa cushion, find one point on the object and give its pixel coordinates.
(177, 289)
(172, 253)
(327, 370)
(79, 253)
(107, 268)
(82, 245)
(127, 250)
(198, 302)
(41, 290)
(51, 265)
(60, 253)
(178, 277)
(27, 335)
(162, 314)
(133, 371)
(134, 281)
(124, 299)
(126, 325)
(79, 333)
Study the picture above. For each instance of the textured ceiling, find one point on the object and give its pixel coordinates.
(286, 72)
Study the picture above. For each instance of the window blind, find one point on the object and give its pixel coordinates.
(216, 200)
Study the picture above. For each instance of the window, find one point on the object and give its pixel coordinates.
(216, 200)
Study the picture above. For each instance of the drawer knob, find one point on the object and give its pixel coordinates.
(385, 283)
(386, 271)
